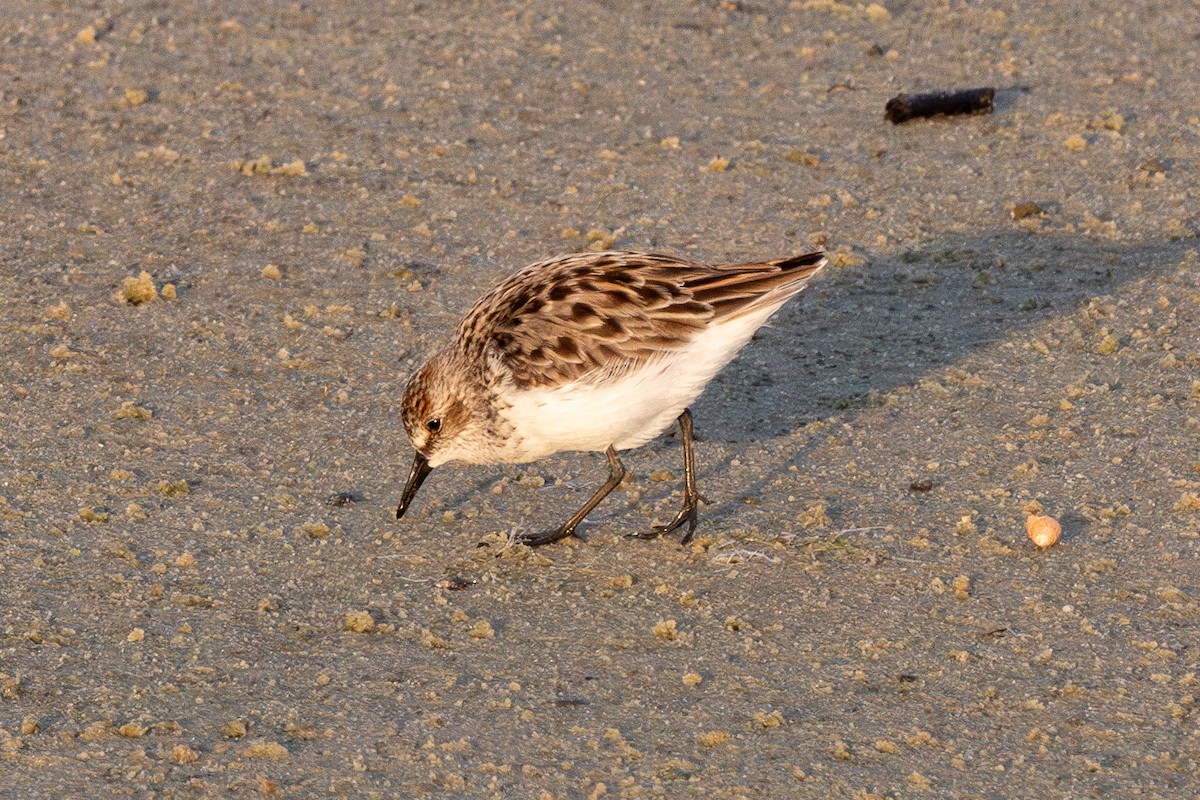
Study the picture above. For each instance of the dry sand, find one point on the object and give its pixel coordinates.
(315, 193)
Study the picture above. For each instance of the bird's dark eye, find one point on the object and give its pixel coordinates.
(434, 425)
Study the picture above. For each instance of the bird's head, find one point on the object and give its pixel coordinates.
(437, 419)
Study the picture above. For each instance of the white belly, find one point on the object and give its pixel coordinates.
(628, 410)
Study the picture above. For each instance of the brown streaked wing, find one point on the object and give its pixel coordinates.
(558, 320)
(738, 288)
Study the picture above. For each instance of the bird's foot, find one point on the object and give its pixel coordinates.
(688, 514)
(546, 537)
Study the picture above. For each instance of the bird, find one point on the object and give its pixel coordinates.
(596, 351)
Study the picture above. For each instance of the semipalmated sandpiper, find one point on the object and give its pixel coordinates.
(593, 351)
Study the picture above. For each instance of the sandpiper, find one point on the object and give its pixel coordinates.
(591, 351)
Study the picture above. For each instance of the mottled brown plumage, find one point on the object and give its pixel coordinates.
(560, 319)
(593, 351)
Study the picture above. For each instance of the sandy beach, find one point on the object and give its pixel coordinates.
(231, 230)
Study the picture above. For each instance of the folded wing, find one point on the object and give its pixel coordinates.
(605, 313)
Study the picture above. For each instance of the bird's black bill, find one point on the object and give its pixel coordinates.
(420, 471)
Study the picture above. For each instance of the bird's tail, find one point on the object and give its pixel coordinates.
(738, 289)
(809, 261)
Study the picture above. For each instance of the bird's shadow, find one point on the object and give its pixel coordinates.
(866, 330)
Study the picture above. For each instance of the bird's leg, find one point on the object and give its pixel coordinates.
(615, 476)
(691, 498)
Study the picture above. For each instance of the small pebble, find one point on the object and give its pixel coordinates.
(1043, 531)
(1023, 210)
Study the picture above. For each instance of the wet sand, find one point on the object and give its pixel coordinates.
(316, 194)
